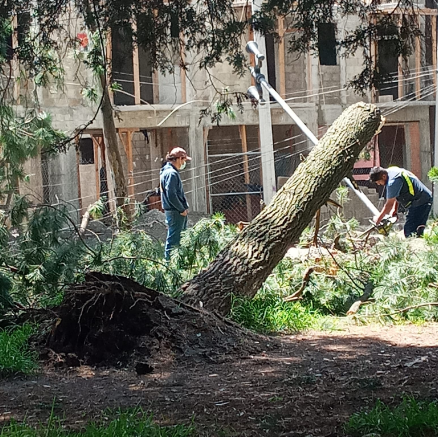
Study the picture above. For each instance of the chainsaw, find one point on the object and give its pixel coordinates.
(385, 224)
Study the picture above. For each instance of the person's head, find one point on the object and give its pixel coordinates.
(178, 157)
(379, 175)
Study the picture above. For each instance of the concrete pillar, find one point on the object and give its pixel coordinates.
(197, 196)
(342, 65)
(265, 131)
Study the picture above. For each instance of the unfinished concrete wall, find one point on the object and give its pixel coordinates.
(296, 69)
(88, 185)
(354, 208)
(33, 187)
(62, 180)
(422, 147)
(351, 65)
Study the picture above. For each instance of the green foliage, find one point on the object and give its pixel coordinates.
(23, 137)
(410, 418)
(91, 94)
(45, 256)
(268, 313)
(97, 209)
(201, 244)
(136, 256)
(5, 292)
(14, 351)
(215, 31)
(130, 423)
(433, 174)
(403, 278)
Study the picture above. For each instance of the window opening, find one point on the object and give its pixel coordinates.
(86, 150)
(327, 44)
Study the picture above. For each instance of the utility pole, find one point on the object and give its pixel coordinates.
(265, 126)
(263, 85)
(435, 148)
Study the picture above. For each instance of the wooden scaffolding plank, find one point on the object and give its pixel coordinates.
(434, 30)
(400, 81)
(125, 136)
(15, 64)
(281, 57)
(136, 71)
(109, 61)
(242, 132)
(78, 162)
(96, 145)
(183, 71)
(417, 68)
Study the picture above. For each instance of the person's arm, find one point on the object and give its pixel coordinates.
(388, 208)
(171, 187)
(394, 210)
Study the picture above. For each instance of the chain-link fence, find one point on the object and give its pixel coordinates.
(235, 185)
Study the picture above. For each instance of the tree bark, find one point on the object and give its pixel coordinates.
(242, 267)
(112, 145)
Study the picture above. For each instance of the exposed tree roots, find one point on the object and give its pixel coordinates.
(110, 320)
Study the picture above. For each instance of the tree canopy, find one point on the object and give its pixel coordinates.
(213, 28)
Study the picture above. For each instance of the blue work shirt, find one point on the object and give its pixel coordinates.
(397, 187)
(172, 192)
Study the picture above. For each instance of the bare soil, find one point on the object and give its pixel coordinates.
(114, 344)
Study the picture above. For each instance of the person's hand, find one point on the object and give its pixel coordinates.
(376, 219)
(184, 213)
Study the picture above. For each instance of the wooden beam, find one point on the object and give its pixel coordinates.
(126, 139)
(373, 48)
(309, 74)
(15, 63)
(250, 38)
(417, 67)
(96, 165)
(183, 70)
(78, 169)
(400, 81)
(109, 62)
(414, 146)
(207, 185)
(155, 86)
(136, 71)
(242, 132)
(434, 66)
(281, 57)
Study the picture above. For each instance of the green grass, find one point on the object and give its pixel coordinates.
(410, 418)
(15, 356)
(124, 424)
(268, 313)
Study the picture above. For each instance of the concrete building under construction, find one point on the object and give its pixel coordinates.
(155, 112)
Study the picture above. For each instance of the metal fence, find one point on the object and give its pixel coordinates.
(234, 182)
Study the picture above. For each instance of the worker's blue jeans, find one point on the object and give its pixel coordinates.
(176, 223)
(416, 220)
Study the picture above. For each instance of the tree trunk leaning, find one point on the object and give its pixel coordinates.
(242, 267)
(112, 145)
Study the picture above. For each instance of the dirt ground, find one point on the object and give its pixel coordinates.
(299, 385)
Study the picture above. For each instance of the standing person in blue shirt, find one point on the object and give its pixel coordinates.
(173, 199)
(404, 188)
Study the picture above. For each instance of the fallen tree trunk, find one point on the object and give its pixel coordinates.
(242, 267)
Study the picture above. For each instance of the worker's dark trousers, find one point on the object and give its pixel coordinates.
(176, 224)
(416, 220)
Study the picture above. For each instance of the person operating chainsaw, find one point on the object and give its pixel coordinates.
(405, 189)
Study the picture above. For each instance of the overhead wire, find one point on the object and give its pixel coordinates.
(400, 103)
